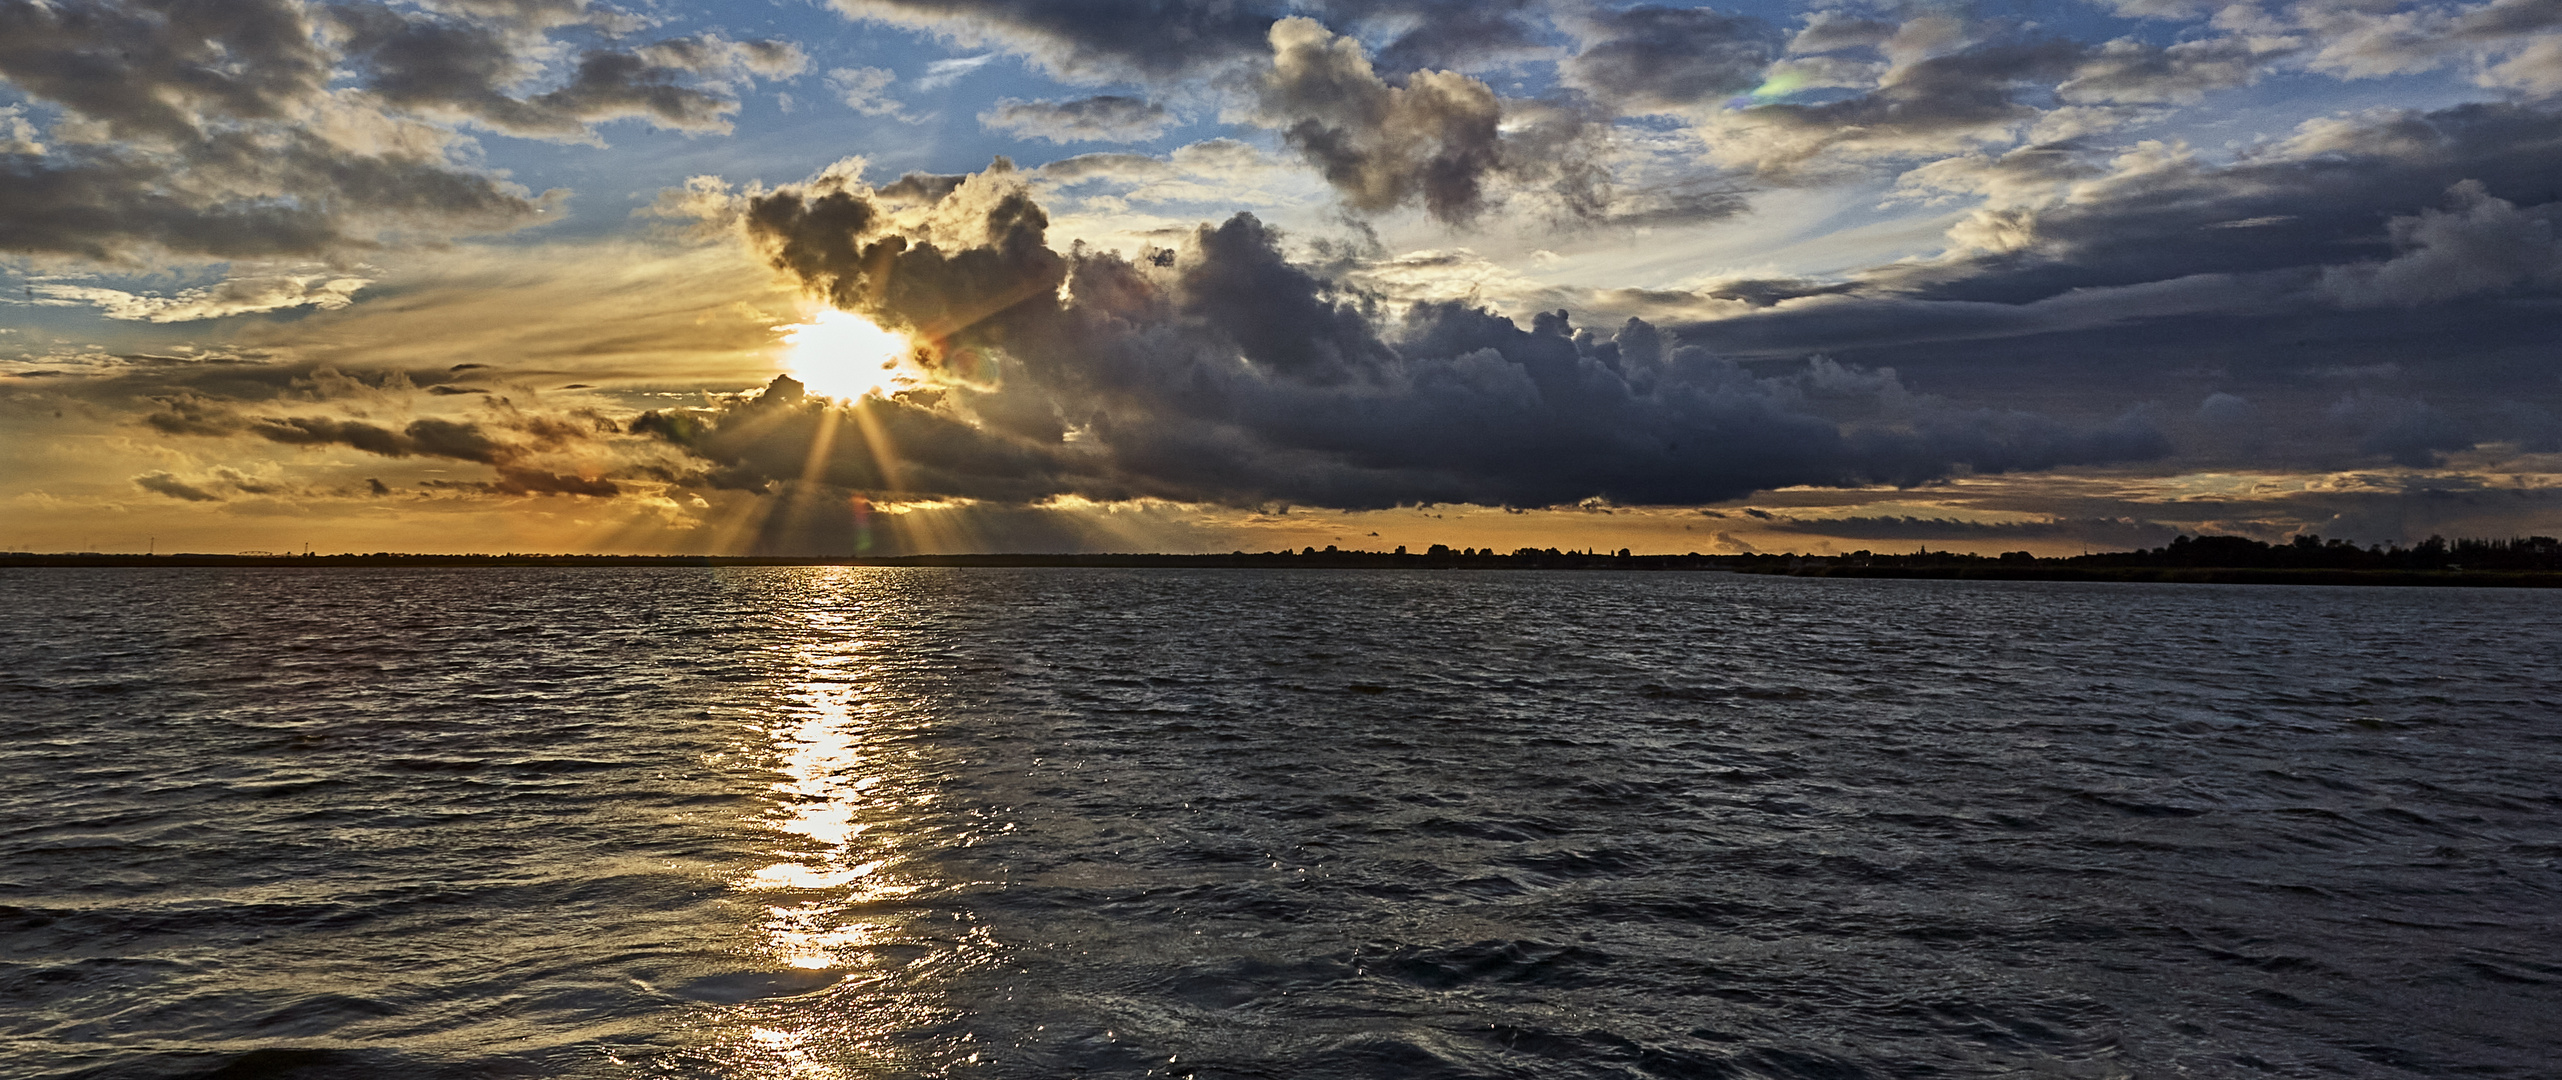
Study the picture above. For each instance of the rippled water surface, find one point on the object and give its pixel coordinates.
(834, 822)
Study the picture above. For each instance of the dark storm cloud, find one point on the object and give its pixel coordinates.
(2390, 236)
(1651, 58)
(2322, 198)
(2479, 244)
(1227, 373)
(1107, 117)
(212, 131)
(2406, 431)
(756, 442)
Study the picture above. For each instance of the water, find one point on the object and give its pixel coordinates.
(840, 822)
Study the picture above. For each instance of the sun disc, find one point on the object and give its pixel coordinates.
(840, 354)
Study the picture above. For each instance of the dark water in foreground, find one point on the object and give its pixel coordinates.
(817, 823)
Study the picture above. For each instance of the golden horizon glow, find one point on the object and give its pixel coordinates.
(839, 354)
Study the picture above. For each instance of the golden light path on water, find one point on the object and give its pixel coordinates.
(846, 903)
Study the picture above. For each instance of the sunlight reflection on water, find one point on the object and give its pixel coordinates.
(846, 901)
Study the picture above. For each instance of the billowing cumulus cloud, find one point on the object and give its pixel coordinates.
(1446, 143)
(1433, 140)
(1218, 370)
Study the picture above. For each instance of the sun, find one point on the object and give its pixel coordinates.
(843, 355)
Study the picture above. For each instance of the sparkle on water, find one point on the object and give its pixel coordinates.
(856, 823)
(840, 354)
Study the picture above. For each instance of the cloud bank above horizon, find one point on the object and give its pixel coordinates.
(1195, 276)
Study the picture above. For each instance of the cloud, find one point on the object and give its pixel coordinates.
(1453, 35)
(2507, 44)
(2063, 219)
(531, 452)
(1940, 93)
(862, 90)
(942, 73)
(1106, 117)
(1443, 141)
(17, 134)
(458, 65)
(221, 482)
(2406, 431)
(232, 296)
(1654, 59)
(1433, 140)
(165, 484)
(226, 131)
(1099, 41)
(1223, 372)
(2480, 243)
(2128, 71)
(1446, 143)
(1162, 41)
(234, 195)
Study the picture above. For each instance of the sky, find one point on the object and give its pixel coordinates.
(877, 277)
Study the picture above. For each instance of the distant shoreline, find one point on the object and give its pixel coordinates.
(2198, 575)
(1772, 565)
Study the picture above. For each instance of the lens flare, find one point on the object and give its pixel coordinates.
(843, 355)
(1779, 85)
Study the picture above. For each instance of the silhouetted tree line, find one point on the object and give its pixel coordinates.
(2314, 553)
(2308, 552)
